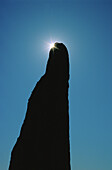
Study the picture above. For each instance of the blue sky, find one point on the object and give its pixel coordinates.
(86, 29)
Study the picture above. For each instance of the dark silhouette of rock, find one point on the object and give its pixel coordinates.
(43, 143)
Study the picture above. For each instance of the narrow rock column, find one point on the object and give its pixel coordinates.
(43, 143)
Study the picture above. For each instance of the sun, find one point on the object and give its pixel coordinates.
(51, 45)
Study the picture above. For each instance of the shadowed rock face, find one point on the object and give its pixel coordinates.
(43, 143)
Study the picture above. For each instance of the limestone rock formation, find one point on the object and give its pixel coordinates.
(43, 143)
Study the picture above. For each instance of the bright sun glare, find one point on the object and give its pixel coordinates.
(51, 45)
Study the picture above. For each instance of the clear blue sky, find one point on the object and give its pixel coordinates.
(86, 29)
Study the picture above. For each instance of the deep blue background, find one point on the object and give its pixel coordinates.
(86, 29)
